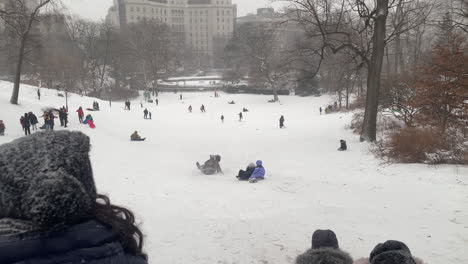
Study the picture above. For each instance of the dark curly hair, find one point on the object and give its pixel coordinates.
(121, 221)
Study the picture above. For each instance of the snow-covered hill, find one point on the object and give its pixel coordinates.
(191, 218)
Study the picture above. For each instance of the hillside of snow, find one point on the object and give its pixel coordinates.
(192, 218)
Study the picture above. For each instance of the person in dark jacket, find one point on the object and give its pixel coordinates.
(61, 117)
(343, 145)
(33, 120)
(245, 175)
(65, 117)
(281, 121)
(80, 227)
(136, 137)
(325, 250)
(145, 113)
(26, 123)
(2, 128)
(202, 109)
(241, 116)
(51, 120)
(222, 118)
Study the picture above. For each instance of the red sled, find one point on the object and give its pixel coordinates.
(91, 124)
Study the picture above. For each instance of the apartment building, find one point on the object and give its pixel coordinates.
(203, 26)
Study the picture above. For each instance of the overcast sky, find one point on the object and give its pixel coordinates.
(97, 9)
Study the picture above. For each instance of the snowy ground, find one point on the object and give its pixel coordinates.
(191, 218)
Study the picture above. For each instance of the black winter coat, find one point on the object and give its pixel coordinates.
(89, 243)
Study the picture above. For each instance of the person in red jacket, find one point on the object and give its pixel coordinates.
(80, 114)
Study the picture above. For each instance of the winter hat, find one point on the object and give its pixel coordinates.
(259, 163)
(46, 179)
(324, 239)
(324, 256)
(391, 252)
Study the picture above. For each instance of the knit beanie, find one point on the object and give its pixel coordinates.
(46, 179)
(391, 252)
(324, 239)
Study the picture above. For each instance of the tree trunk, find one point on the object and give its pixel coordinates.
(369, 128)
(19, 67)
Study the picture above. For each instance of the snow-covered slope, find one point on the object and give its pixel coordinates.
(191, 218)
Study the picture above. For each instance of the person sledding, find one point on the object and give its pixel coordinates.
(245, 110)
(258, 174)
(244, 175)
(89, 121)
(136, 137)
(343, 145)
(211, 166)
(232, 102)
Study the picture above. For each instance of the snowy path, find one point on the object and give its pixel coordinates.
(188, 217)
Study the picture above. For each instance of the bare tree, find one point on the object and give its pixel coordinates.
(20, 16)
(258, 48)
(362, 28)
(150, 47)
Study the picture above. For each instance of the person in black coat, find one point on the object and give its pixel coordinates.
(325, 249)
(245, 175)
(281, 121)
(80, 227)
(61, 117)
(26, 123)
(145, 114)
(33, 120)
(343, 145)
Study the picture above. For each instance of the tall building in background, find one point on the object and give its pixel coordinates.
(203, 26)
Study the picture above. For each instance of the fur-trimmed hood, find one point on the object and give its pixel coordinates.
(324, 256)
(366, 261)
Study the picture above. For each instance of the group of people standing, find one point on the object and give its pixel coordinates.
(147, 114)
(28, 121)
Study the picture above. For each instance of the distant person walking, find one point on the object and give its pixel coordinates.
(241, 116)
(190, 109)
(202, 109)
(127, 105)
(150, 115)
(222, 119)
(281, 121)
(181, 97)
(157, 101)
(145, 114)
(80, 114)
(39, 94)
(321, 110)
